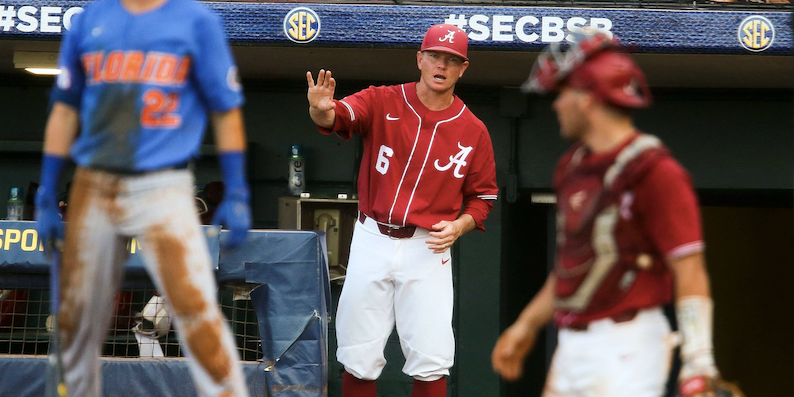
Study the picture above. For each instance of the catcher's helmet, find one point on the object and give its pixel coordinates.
(594, 63)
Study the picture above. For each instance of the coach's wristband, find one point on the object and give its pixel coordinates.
(233, 168)
(51, 168)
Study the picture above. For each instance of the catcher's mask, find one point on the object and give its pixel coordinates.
(596, 63)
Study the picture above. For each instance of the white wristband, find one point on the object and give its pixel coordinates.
(695, 316)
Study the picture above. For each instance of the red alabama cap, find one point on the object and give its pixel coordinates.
(446, 38)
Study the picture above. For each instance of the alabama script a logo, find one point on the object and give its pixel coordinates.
(450, 36)
(459, 160)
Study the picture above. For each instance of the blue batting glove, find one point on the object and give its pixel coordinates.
(48, 218)
(234, 211)
(235, 214)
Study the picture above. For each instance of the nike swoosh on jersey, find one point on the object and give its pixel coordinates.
(389, 117)
(444, 262)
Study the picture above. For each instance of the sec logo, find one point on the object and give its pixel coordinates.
(302, 25)
(756, 33)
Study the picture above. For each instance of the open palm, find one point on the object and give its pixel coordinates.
(321, 94)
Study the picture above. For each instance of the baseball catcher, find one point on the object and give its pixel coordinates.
(629, 240)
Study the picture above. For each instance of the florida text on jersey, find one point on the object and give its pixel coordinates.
(144, 83)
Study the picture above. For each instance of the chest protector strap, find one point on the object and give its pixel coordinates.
(603, 224)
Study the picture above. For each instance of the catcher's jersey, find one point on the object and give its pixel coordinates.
(419, 166)
(613, 242)
(143, 83)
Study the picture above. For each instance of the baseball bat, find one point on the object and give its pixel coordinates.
(55, 385)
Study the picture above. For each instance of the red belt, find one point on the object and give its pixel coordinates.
(626, 316)
(389, 230)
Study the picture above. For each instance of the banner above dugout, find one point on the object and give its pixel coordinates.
(489, 28)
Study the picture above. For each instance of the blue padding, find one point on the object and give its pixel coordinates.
(292, 307)
(291, 304)
(120, 377)
(379, 26)
(20, 248)
(268, 246)
(23, 375)
(22, 252)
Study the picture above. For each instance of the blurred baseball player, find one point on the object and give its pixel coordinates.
(628, 240)
(138, 79)
(427, 177)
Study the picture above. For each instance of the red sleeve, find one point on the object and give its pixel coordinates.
(668, 205)
(479, 189)
(479, 210)
(353, 114)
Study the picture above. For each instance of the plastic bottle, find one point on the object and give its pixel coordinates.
(15, 207)
(297, 178)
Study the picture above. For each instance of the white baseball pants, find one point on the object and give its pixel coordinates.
(627, 359)
(395, 281)
(105, 210)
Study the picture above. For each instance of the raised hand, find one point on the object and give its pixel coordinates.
(321, 94)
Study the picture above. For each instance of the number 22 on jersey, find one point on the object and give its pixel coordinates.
(159, 109)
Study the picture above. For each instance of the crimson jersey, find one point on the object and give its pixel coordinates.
(419, 166)
(620, 216)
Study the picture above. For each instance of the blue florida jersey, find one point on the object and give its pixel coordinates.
(144, 83)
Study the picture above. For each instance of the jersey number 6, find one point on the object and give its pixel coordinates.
(159, 109)
(383, 162)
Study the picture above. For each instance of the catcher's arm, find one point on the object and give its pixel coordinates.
(694, 310)
(516, 341)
